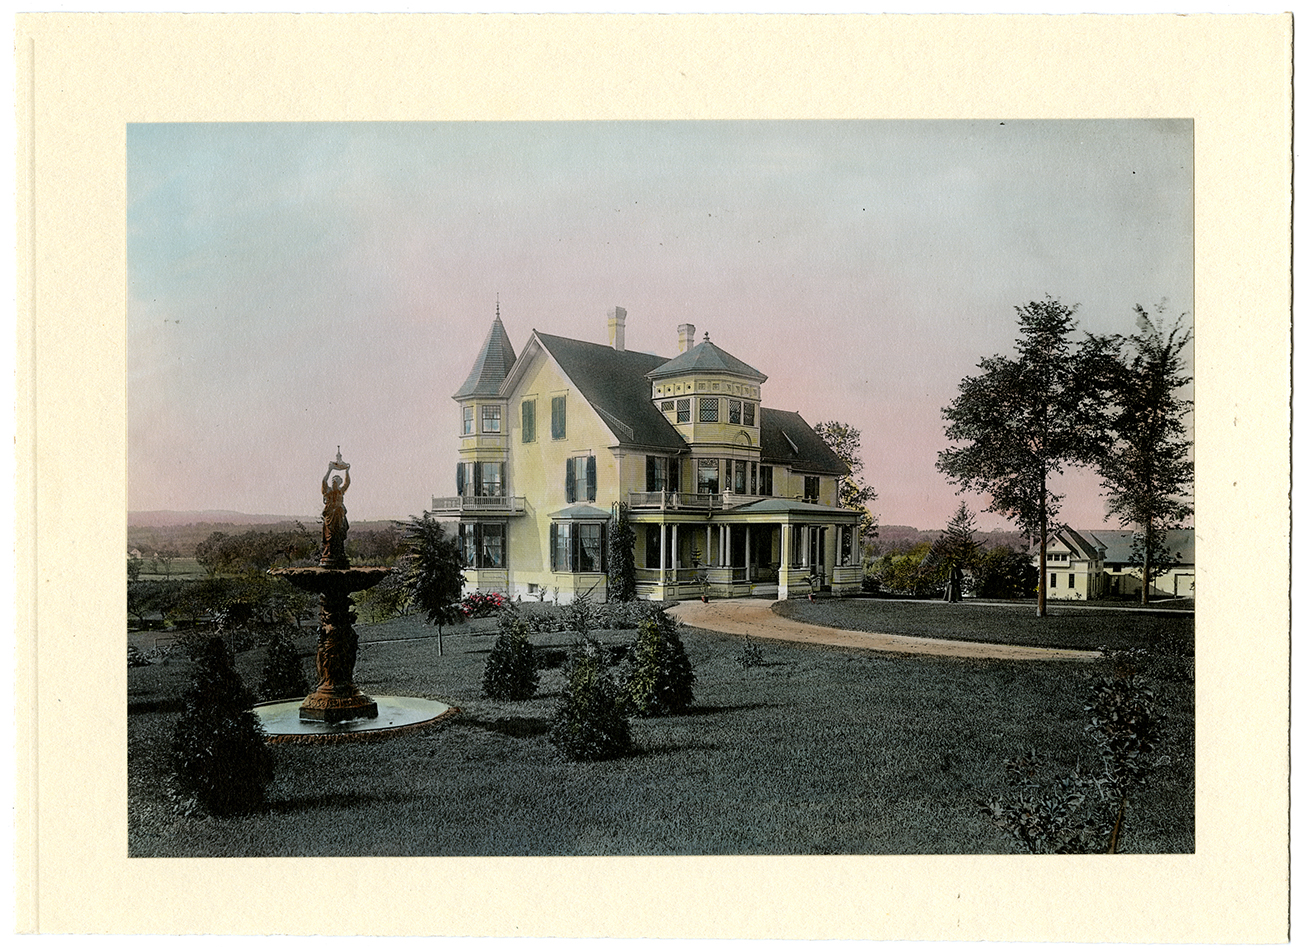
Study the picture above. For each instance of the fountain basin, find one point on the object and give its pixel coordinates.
(395, 715)
(327, 579)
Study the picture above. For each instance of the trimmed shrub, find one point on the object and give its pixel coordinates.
(661, 677)
(510, 673)
(282, 674)
(590, 722)
(219, 755)
(751, 654)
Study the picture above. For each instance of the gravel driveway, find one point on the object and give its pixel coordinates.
(755, 617)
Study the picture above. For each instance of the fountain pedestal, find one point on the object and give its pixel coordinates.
(336, 698)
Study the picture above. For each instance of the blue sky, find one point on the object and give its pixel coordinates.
(293, 287)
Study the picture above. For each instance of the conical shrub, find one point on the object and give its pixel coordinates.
(510, 673)
(218, 753)
(662, 678)
(282, 674)
(590, 722)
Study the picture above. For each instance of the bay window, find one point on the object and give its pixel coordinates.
(577, 547)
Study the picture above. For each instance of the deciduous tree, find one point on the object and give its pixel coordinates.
(846, 442)
(1022, 419)
(1146, 468)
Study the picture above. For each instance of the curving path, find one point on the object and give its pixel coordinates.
(755, 617)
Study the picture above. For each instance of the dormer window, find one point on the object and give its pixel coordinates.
(708, 409)
(749, 414)
(683, 411)
(733, 413)
(491, 418)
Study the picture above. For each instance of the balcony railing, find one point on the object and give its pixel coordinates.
(679, 500)
(508, 505)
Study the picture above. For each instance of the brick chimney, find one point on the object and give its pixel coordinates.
(617, 327)
(685, 337)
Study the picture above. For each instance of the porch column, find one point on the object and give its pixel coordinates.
(857, 549)
(807, 545)
(748, 566)
(839, 547)
(783, 570)
(674, 558)
(725, 540)
(663, 553)
(708, 544)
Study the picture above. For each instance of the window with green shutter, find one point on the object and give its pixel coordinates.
(528, 420)
(558, 420)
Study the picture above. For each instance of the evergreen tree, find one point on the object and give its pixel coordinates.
(510, 673)
(218, 752)
(431, 572)
(622, 561)
(662, 677)
(282, 674)
(590, 721)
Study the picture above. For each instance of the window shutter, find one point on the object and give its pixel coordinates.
(674, 474)
(591, 477)
(478, 478)
(460, 478)
(570, 487)
(604, 553)
(649, 473)
(555, 536)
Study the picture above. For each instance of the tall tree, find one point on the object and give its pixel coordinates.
(1024, 419)
(1146, 467)
(431, 572)
(846, 442)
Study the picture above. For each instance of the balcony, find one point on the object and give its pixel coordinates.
(510, 506)
(678, 500)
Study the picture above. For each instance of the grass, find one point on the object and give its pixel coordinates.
(816, 750)
(1077, 627)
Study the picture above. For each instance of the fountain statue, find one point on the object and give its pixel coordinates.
(336, 698)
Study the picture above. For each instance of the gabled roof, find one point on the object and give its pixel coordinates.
(785, 438)
(1118, 544)
(614, 383)
(706, 358)
(1073, 541)
(494, 361)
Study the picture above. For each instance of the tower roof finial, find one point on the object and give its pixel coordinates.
(498, 305)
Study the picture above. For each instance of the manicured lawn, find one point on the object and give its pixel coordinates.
(1079, 627)
(817, 750)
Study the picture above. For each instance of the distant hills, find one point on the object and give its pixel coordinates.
(141, 523)
(180, 518)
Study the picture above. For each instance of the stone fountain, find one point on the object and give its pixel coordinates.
(338, 708)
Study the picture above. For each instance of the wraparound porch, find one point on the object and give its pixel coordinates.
(771, 547)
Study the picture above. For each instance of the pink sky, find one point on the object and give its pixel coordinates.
(297, 287)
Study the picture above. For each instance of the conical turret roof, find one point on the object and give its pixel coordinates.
(494, 361)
